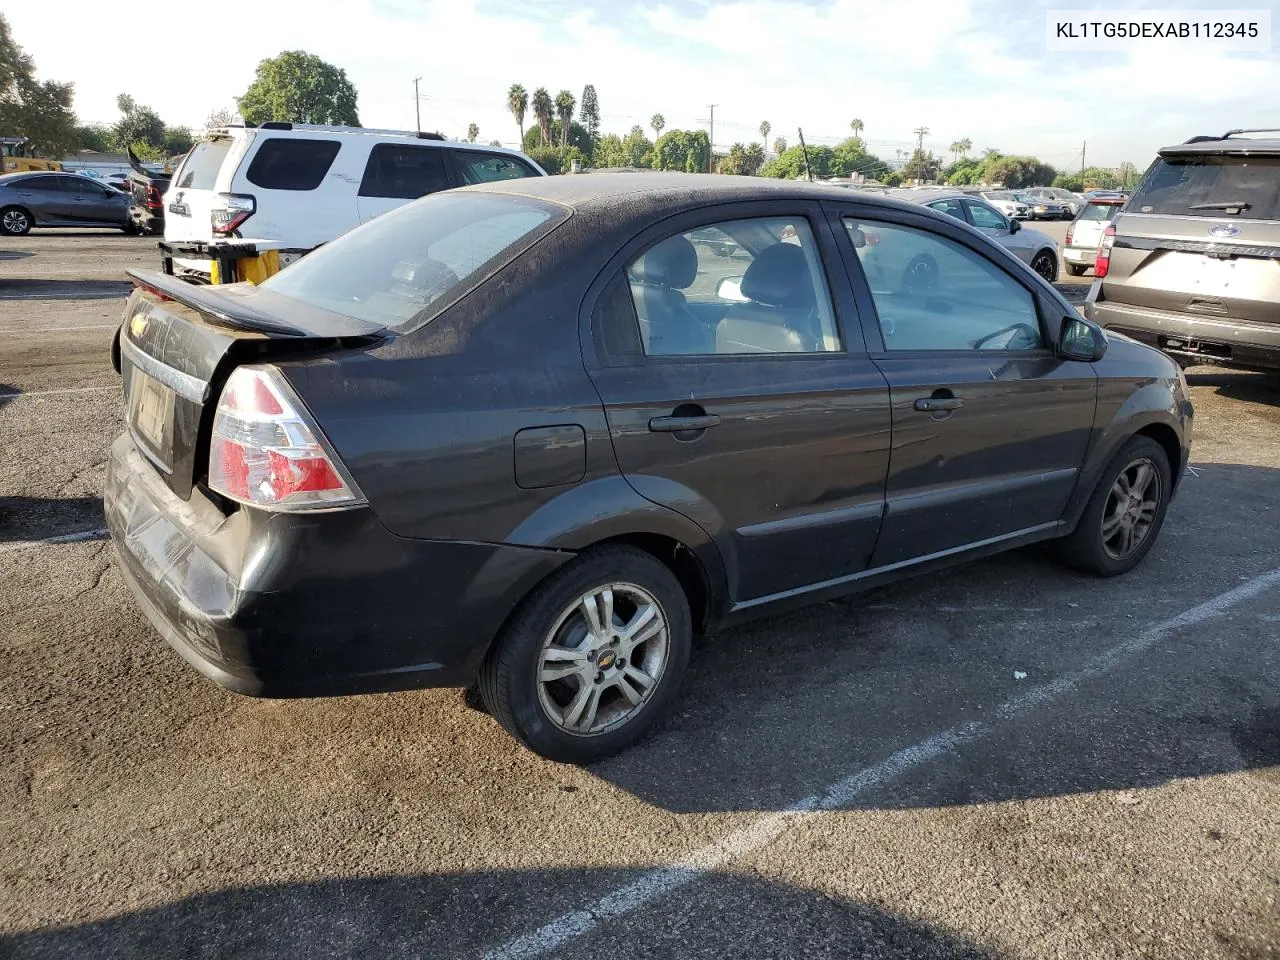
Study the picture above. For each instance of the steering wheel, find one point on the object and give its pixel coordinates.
(921, 274)
(1032, 334)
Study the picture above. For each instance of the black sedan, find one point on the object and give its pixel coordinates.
(530, 436)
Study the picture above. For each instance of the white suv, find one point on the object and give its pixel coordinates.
(292, 187)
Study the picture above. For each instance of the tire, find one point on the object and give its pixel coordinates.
(540, 713)
(15, 222)
(1077, 269)
(1045, 263)
(1087, 548)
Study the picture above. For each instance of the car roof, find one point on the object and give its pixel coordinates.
(311, 131)
(1230, 143)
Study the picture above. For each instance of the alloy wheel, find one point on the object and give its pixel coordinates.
(16, 222)
(1044, 266)
(1130, 512)
(602, 660)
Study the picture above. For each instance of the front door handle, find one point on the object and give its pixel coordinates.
(683, 424)
(934, 404)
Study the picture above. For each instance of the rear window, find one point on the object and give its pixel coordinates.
(486, 167)
(1100, 211)
(1205, 186)
(287, 163)
(406, 266)
(404, 173)
(201, 168)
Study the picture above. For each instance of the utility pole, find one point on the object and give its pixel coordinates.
(808, 171)
(711, 137)
(1082, 147)
(920, 133)
(417, 105)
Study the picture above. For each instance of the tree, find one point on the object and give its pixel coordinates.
(518, 103)
(851, 157)
(1127, 175)
(633, 150)
(658, 122)
(177, 140)
(1069, 181)
(495, 143)
(856, 126)
(779, 145)
(473, 131)
(564, 113)
(590, 112)
(1015, 172)
(93, 136)
(754, 159)
(954, 150)
(965, 146)
(688, 150)
(137, 126)
(543, 112)
(41, 112)
(299, 87)
(765, 127)
(735, 161)
(790, 164)
(220, 117)
(578, 137)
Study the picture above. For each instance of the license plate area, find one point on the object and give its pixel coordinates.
(150, 418)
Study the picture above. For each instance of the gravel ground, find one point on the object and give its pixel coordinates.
(865, 778)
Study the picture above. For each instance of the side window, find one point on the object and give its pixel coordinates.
(39, 184)
(932, 293)
(952, 207)
(404, 172)
(984, 216)
(287, 163)
(739, 287)
(475, 167)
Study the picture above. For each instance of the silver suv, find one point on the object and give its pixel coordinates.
(1192, 262)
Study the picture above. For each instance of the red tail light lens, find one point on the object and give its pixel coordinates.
(1102, 262)
(230, 210)
(1070, 231)
(267, 452)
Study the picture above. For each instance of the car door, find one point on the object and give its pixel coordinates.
(45, 198)
(1000, 229)
(399, 172)
(738, 391)
(93, 203)
(990, 426)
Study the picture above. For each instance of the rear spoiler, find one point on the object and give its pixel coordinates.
(210, 302)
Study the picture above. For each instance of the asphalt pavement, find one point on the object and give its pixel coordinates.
(1004, 760)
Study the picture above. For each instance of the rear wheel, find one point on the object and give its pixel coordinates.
(1045, 263)
(593, 657)
(1076, 269)
(15, 221)
(1124, 516)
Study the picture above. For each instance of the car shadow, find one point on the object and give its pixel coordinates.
(34, 518)
(9, 392)
(1236, 385)
(15, 254)
(37, 289)
(723, 915)
(780, 710)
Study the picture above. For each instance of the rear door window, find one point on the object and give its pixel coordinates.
(203, 163)
(404, 172)
(39, 184)
(476, 167)
(1210, 187)
(1100, 211)
(289, 163)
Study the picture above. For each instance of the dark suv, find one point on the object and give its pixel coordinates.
(1190, 263)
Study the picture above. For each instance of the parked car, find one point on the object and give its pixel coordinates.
(1006, 203)
(1191, 264)
(1037, 250)
(514, 434)
(1085, 233)
(147, 188)
(40, 199)
(1041, 209)
(301, 185)
(1072, 203)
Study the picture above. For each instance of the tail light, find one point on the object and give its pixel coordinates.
(267, 452)
(155, 200)
(229, 211)
(1070, 230)
(1102, 262)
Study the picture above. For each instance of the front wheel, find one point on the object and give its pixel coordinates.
(15, 221)
(1120, 524)
(1045, 264)
(592, 658)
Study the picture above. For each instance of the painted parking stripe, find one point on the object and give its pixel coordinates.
(91, 326)
(99, 295)
(665, 880)
(49, 393)
(80, 536)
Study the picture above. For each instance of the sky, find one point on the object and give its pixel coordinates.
(975, 69)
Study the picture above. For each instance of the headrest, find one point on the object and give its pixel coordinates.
(779, 277)
(672, 263)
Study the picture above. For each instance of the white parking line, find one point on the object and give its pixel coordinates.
(98, 533)
(664, 880)
(91, 326)
(49, 393)
(100, 295)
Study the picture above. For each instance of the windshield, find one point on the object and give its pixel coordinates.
(405, 267)
(201, 169)
(1207, 186)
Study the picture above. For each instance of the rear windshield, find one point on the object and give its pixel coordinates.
(1205, 186)
(1100, 211)
(288, 163)
(405, 267)
(202, 165)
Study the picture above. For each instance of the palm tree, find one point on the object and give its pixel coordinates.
(518, 103)
(965, 146)
(657, 121)
(543, 111)
(473, 131)
(564, 111)
(779, 145)
(765, 127)
(856, 126)
(954, 150)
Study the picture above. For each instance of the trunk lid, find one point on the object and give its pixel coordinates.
(192, 194)
(179, 342)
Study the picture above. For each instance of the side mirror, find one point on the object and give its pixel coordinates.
(1080, 339)
(730, 288)
(1014, 225)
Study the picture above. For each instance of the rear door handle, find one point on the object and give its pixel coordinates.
(682, 424)
(933, 404)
